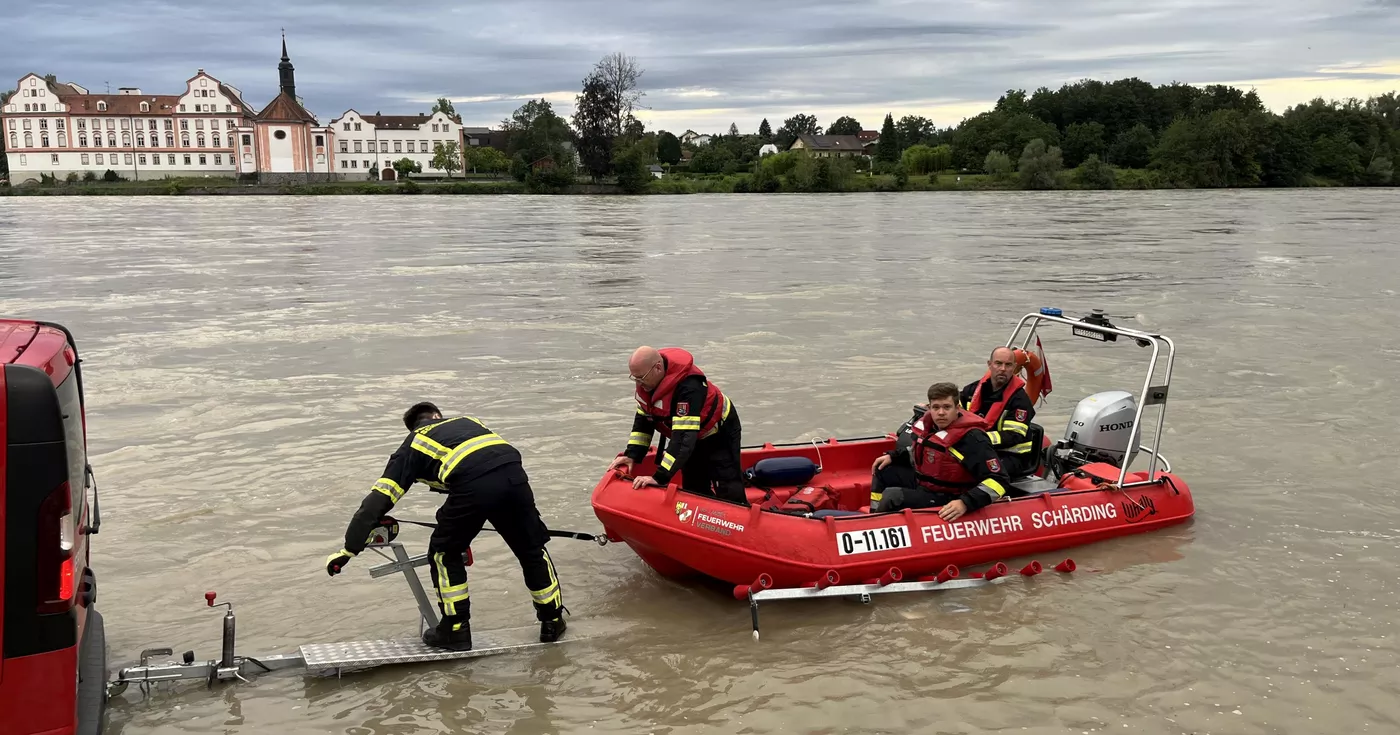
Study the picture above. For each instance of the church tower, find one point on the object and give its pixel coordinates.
(286, 73)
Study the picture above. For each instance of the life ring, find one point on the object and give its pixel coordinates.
(1034, 369)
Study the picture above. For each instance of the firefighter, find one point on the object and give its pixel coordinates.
(675, 399)
(484, 480)
(951, 463)
(1000, 398)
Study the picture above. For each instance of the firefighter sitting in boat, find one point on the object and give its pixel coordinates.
(484, 481)
(675, 399)
(951, 463)
(1000, 398)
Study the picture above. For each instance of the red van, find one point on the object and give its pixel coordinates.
(53, 651)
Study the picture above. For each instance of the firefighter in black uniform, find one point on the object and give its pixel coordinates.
(1000, 398)
(484, 481)
(951, 463)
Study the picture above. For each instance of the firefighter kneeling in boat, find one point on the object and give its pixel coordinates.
(484, 481)
(951, 463)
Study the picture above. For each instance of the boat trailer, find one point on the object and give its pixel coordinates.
(829, 585)
(331, 658)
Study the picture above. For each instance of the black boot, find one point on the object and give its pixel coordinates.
(443, 636)
(552, 630)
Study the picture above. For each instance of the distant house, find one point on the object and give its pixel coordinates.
(829, 146)
(483, 138)
(767, 150)
(869, 139)
(690, 137)
(656, 171)
(543, 164)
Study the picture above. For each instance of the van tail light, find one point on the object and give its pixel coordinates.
(55, 552)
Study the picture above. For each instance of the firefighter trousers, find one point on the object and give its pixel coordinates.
(504, 498)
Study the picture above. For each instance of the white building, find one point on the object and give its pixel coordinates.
(283, 143)
(368, 143)
(62, 128)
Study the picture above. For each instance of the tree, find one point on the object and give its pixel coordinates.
(633, 128)
(711, 159)
(921, 159)
(1212, 151)
(794, 126)
(1133, 147)
(668, 148)
(534, 131)
(844, 126)
(734, 130)
(765, 131)
(1095, 174)
(447, 157)
(444, 105)
(1381, 171)
(487, 160)
(997, 164)
(596, 125)
(1040, 166)
(888, 149)
(621, 75)
(914, 129)
(1083, 140)
(632, 164)
(405, 166)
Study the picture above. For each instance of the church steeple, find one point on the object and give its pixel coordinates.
(286, 73)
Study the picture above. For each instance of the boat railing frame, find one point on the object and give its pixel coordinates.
(1152, 394)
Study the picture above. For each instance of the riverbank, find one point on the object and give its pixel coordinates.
(1136, 179)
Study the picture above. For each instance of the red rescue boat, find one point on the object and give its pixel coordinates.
(808, 522)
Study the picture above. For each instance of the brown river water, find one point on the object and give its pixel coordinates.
(247, 360)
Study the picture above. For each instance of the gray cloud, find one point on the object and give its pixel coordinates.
(752, 59)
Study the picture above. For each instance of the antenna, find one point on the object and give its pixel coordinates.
(109, 87)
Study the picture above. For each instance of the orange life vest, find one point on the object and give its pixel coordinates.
(993, 412)
(933, 463)
(658, 403)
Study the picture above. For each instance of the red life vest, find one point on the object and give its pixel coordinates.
(993, 413)
(933, 463)
(657, 404)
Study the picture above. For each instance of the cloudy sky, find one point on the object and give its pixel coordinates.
(713, 62)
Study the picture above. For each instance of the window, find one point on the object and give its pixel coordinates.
(71, 408)
(218, 159)
(152, 125)
(126, 158)
(141, 159)
(44, 124)
(169, 125)
(346, 125)
(97, 140)
(126, 123)
(199, 140)
(185, 140)
(344, 147)
(58, 124)
(140, 140)
(187, 159)
(182, 108)
(28, 140)
(43, 108)
(353, 164)
(62, 139)
(126, 140)
(112, 140)
(422, 146)
(111, 124)
(357, 147)
(53, 158)
(371, 147)
(82, 124)
(14, 139)
(145, 107)
(101, 106)
(217, 142)
(366, 164)
(345, 164)
(23, 159)
(398, 146)
(320, 141)
(198, 124)
(82, 140)
(184, 124)
(203, 160)
(169, 140)
(26, 107)
(213, 124)
(27, 125)
(435, 127)
(170, 159)
(85, 159)
(230, 124)
(101, 159)
(43, 140)
(247, 139)
(228, 108)
(279, 134)
(357, 127)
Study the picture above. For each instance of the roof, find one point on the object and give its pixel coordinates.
(117, 104)
(399, 122)
(476, 131)
(832, 142)
(285, 109)
(868, 135)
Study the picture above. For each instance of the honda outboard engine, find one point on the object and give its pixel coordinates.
(1099, 431)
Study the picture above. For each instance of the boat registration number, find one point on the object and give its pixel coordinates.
(872, 539)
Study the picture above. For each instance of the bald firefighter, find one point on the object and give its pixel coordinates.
(676, 399)
(484, 480)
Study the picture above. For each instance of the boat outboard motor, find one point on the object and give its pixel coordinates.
(1099, 431)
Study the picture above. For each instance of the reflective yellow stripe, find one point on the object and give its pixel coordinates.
(449, 594)
(666, 461)
(994, 486)
(430, 427)
(433, 484)
(429, 447)
(1014, 426)
(640, 439)
(464, 450)
(389, 488)
(685, 423)
(640, 411)
(995, 436)
(1019, 448)
(875, 498)
(715, 429)
(551, 595)
(955, 453)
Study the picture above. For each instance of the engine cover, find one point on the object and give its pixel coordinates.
(1102, 427)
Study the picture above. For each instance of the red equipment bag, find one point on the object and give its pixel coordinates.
(810, 500)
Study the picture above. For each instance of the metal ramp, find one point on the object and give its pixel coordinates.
(364, 654)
